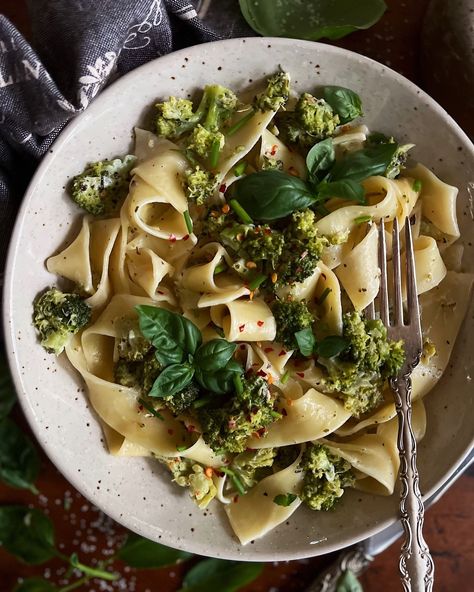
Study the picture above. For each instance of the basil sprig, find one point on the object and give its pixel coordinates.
(272, 194)
(329, 347)
(180, 350)
(345, 102)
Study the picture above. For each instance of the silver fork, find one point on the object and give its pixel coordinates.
(416, 565)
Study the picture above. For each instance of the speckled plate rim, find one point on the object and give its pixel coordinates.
(64, 137)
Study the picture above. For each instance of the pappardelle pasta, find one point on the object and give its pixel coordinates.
(220, 279)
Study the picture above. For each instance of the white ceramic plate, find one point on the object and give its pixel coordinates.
(136, 492)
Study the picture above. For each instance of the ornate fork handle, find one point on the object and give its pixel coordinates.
(416, 565)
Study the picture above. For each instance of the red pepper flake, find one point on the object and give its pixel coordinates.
(260, 323)
(236, 499)
(160, 293)
(300, 374)
(191, 428)
(267, 231)
(261, 373)
(170, 431)
(282, 353)
(241, 328)
(172, 238)
(185, 237)
(273, 150)
(140, 407)
(208, 472)
(284, 412)
(223, 188)
(242, 346)
(293, 171)
(267, 350)
(261, 431)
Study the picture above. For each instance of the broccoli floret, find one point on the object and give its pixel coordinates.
(57, 317)
(326, 475)
(228, 427)
(268, 163)
(250, 466)
(191, 474)
(151, 369)
(102, 185)
(132, 346)
(179, 402)
(302, 251)
(202, 141)
(291, 316)
(399, 158)
(312, 120)
(200, 185)
(176, 117)
(139, 374)
(359, 373)
(276, 94)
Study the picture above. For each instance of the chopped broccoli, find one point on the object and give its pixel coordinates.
(250, 466)
(254, 243)
(202, 141)
(139, 374)
(228, 427)
(57, 317)
(102, 185)
(176, 117)
(359, 373)
(399, 158)
(132, 346)
(181, 401)
(312, 120)
(326, 475)
(276, 94)
(291, 316)
(151, 369)
(200, 185)
(191, 474)
(269, 163)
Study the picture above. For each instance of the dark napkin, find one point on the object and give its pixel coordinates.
(79, 47)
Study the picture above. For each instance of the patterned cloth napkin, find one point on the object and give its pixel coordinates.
(79, 47)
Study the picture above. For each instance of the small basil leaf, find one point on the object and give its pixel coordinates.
(311, 20)
(144, 554)
(214, 354)
(35, 585)
(7, 392)
(320, 159)
(331, 346)
(306, 341)
(364, 163)
(345, 189)
(93, 572)
(272, 194)
(19, 461)
(348, 583)
(284, 499)
(172, 380)
(221, 381)
(173, 335)
(216, 574)
(27, 533)
(345, 102)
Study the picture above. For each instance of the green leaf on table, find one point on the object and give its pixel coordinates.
(173, 336)
(35, 585)
(312, 19)
(357, 166)
(345, 102)
(306, 341)
(144, 554)
(19, 461)
(7, 391)
(172, 380)
(348, 583)
(320, 159)
(344, 189)
(214, 354)
(27, 533)
(331, 346)
(225, 576)
(272, 194)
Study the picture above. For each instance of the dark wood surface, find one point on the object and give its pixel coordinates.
(80, 527)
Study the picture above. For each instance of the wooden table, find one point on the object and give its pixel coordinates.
(82, 528)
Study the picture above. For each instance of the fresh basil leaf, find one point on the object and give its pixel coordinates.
(216, 574)
(284, 499)
(312, 19)
(27, 533)
(7, 391)
(320, 159)
(172, 380)
(364, 163)
(35, 585)
(221, 381)
(348, 583)
(144, 554)
(214, 354)
(331, 346)
(173, 335)
(306, 341)
(345, 102)
(19, 461)
(345, 189)
(272, 194)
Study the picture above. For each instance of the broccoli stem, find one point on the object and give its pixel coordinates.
(242, 121)
(188, 221)
(257, 281)
(235, 480)
(215, 153)
(220, 268)
(241, 213)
